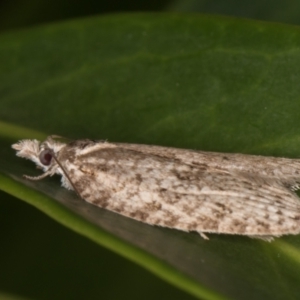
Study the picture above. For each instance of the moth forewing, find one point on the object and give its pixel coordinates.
(182, 189)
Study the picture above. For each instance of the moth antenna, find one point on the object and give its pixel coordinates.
(66, 174)
(55, 136)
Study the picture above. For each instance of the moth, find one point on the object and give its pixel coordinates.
(187, 190)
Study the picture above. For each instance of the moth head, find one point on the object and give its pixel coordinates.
(42, 154)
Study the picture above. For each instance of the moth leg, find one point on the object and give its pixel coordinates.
(295, 187)
(50, 172)
(204, 236)
(38, 177)
(266, 238)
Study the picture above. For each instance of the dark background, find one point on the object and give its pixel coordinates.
(23, 13)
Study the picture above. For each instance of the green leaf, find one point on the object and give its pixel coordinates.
(176, 80)
(269, 10)
(4, 296)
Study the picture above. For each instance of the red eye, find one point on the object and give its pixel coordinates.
(45, 157)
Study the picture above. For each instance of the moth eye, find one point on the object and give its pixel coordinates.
(45, 157)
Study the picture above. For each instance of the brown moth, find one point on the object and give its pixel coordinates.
(183, 189)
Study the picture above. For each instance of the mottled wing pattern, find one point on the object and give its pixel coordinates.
(287, 169)
(190, 195)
